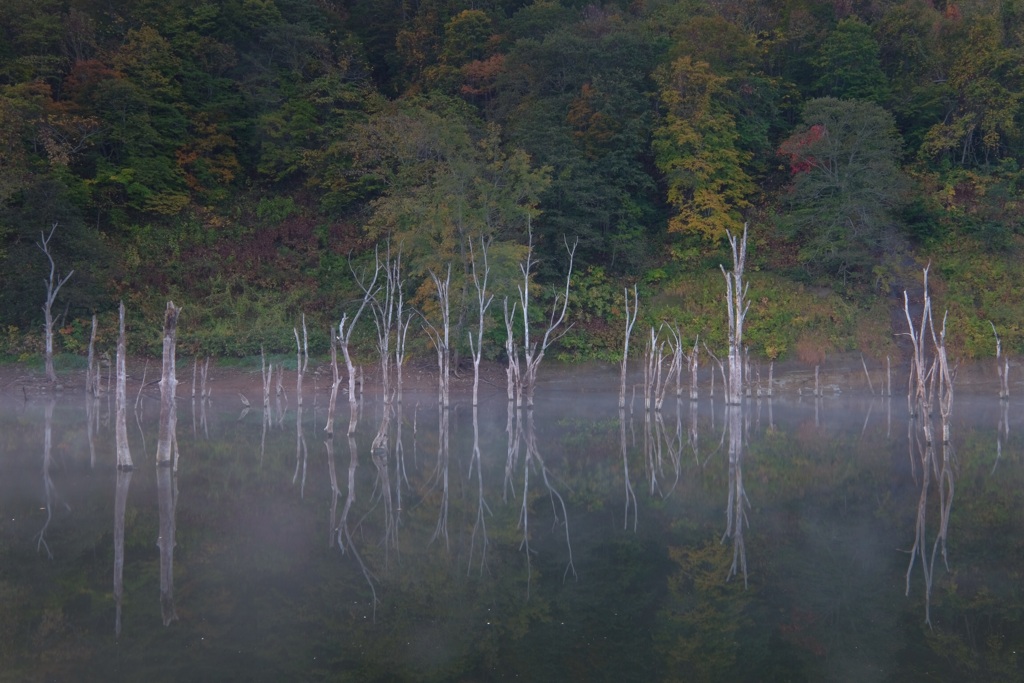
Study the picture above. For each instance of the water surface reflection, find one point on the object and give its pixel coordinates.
(574, 540)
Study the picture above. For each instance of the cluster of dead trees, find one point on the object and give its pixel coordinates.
(667, 359)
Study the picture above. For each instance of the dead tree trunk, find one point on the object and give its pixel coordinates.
(301, 358)
(168, 385)
(440, 337)
(345, 335)
(917, 394)
(694, 359)
(384, 315)
(124, 456)
(533, 354)
(630, 321)
(512, 371)
(1002, 367)
(53, 284)
(401, 332)
(329, 427)
(483, 303)
(737, 305)
(92, 376)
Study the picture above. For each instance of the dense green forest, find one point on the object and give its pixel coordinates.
(244, 157)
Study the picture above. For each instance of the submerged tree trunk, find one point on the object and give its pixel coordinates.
(329, 427)
(534, 354)
(53, 284)
(512, 371)
(737, 305)
(483, 303)
(630, 321)
(124, 456)
(92, 376)
(124, 481)
(441, 337)
(168, 385)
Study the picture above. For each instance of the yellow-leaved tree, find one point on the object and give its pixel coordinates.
(696, 146)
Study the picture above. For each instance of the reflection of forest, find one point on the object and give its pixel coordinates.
(573, 541)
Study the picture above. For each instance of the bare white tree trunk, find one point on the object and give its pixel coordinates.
(1002, 367)
(630, 321)
(383, 310)
(694, 359)
(737, 305)
(917, 395)
(329, 427)
(301, 358)
(440, 337)
(675, 370)
(267, 373)
(403, 319)
(92, 375)
(168, 386)
(369, 289)
(205, 390)
(483, 303)
(124, 456)
(53, 284)
(945, 377)
(512, 371)
(533, 354)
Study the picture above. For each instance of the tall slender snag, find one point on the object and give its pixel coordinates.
(533, 354)
(124, 456)
(168, 386)
(329, 427)
(92, 375)
(1002, 366)
(483, 300)
(630, 322)
(917, 395)
(53, 284)
(301, 358)
(512, 353)
(440, 338)
(345, 335)
(737, 306)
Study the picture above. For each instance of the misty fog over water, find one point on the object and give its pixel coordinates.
(791, 538)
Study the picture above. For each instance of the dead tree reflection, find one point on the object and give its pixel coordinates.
(533, 458)
(167, 446)
(301, 453)
(736, 507)
(440, 475)
(1002, 433)
(482, 509)
(49, 490)
(630, 493)
(344, 533)
(928, 388)
(332, 478)
(167, 496)
(943, 469)
(380, 455)
(124, 481)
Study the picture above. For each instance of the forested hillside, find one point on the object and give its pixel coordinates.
(243, 157)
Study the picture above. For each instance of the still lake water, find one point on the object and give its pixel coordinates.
(821, 540)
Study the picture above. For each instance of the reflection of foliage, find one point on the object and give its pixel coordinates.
(707, 623)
